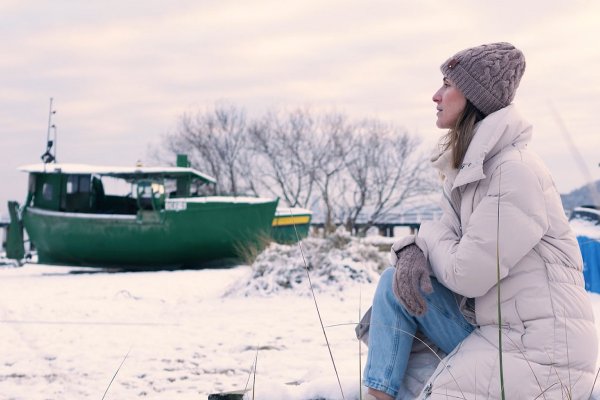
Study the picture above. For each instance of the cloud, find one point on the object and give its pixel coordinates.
(122, 73)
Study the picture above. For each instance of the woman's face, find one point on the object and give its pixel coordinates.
(449, 102)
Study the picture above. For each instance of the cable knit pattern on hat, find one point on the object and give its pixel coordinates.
(488, 75)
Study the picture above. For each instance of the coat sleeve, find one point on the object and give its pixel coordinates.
(507, 223)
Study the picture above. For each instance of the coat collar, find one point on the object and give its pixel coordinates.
(493, 134)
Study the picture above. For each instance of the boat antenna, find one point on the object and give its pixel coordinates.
(49, 156)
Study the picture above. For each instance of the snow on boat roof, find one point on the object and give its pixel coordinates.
(223, 199)
(119, 172)
(282, 211)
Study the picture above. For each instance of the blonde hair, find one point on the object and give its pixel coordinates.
(459, 138)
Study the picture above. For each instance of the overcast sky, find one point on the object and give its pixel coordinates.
(122, 72)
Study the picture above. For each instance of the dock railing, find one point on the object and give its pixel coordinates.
(387, 225)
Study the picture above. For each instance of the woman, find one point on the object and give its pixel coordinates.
(503, 254)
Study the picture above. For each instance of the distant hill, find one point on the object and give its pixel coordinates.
(582, 196)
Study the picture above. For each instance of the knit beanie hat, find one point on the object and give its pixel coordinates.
(488, 75)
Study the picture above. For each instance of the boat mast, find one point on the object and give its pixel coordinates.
(49, 156)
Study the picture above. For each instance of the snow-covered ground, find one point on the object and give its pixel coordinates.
(65, 331)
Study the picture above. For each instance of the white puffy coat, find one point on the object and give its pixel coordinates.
(503, 220)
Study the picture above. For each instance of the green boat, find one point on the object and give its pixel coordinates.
(162, 220)
(291, 224)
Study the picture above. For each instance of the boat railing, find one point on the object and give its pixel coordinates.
(3, 233)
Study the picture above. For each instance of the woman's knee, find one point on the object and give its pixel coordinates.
(387, 277)
(385, 291)
(386, 280)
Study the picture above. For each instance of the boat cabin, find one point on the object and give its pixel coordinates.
(82, 188)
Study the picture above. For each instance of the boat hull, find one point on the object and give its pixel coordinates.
(202, 234)
(291, 224)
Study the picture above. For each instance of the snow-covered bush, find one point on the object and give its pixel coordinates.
(333, 263)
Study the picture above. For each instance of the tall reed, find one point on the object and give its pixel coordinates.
(502, 396)
(115, 374)
(317, 307)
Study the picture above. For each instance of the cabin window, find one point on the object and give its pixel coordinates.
(84, 183)
(47, 191)
(72, 184)
(31, 183)
(78, 184)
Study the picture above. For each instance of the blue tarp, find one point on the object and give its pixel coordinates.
(590, 250)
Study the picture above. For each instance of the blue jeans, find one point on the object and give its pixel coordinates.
(392, 331)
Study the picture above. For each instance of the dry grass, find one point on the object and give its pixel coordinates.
(247, 251)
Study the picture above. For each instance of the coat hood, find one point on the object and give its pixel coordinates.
(495, 132)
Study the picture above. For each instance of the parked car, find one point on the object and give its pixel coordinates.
(586, 213)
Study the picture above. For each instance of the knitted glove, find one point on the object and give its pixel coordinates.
(399, 245)
(410, 278)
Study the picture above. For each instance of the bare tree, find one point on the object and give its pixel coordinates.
(283, 147)
(352, 173)
(333, 143)
(302, 155)
(383, 172)
(216, 142)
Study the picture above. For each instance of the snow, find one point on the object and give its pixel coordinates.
(111, 170)
(333, 264)
(585, 228)
(226, 199)
(186, 334)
